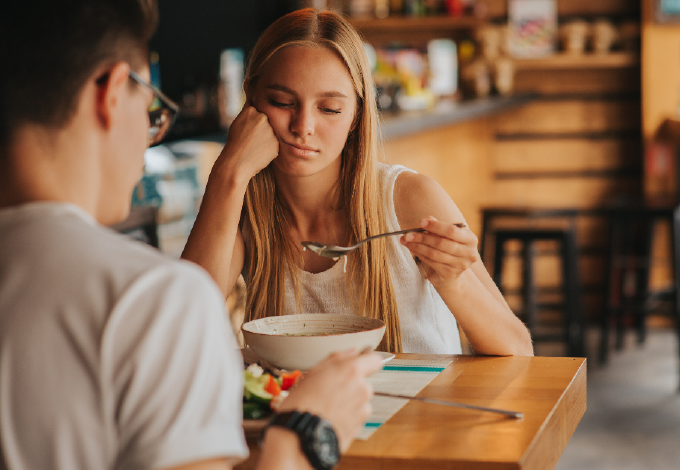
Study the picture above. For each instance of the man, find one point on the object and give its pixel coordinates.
(112, 355)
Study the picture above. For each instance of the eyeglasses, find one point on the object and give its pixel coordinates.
(162, 112)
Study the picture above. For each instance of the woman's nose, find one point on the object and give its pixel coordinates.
(302, 122)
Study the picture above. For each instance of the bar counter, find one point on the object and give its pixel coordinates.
(448, 112)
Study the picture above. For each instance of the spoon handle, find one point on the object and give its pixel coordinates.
(400, 232)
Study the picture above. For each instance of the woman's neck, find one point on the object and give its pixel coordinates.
(311, 199)
(312, 203)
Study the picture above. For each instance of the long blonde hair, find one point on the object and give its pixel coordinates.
(358, 191)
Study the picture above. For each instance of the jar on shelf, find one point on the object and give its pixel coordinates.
(603, 36)
(574, 35)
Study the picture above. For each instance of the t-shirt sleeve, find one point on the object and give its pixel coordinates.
(176, 371)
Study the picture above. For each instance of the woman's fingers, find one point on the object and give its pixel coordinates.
(450, 240)
(251, 139)
(445, 249)
(458, 231)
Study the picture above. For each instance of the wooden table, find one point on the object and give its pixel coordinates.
(550, 391)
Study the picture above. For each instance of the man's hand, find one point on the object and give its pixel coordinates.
(337, 390)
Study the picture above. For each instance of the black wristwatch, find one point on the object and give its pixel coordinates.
(317, 437)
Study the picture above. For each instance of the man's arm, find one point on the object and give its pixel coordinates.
(335, 390)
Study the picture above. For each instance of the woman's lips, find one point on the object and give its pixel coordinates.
(301, 151)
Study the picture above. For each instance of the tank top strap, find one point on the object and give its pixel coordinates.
(388, 176)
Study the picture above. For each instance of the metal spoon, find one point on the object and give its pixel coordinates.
(335, 252)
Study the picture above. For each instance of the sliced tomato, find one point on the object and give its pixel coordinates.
(272, 386)
(288, 379)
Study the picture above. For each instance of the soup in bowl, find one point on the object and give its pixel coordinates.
(301, 341)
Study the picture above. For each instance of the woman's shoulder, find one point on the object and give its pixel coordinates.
(417, 196)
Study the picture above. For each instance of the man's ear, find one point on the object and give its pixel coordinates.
(110, 93)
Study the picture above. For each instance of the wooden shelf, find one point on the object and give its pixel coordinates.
(400, 24)
(585, 61)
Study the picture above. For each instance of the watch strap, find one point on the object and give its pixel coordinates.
(303, 424)
(294, 420)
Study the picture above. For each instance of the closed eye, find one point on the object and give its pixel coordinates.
(330, 111)
(278, 104)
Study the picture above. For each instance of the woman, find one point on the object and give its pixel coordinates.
(301, 163)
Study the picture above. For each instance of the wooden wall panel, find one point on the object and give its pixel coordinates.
(566, 155)
(551, 82)
(572, 116)
(547, 271)
(562, 192)
(457, 157)
(660, 71)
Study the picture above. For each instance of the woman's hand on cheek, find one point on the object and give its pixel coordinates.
(445, 250)
(251, 143)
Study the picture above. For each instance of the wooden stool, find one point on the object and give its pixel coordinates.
(628, 267)
(566, 237)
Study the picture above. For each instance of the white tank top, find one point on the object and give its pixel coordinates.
(427, 325)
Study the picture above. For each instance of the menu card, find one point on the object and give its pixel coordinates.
(399, 377)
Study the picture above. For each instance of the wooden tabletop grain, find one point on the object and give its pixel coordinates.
(550, 391)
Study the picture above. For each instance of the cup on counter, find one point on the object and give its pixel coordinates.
(442, 56)
(503, 75)
(477, 78)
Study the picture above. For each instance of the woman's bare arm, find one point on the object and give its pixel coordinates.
(215, 242)
(455, 269)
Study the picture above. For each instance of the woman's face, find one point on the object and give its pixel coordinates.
(308, 96)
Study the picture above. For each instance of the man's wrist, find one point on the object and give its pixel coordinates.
(316, 437)
(281, 449)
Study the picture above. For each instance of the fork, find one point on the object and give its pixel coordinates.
(335, 252)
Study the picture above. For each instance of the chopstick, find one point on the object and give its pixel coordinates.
(511, 414)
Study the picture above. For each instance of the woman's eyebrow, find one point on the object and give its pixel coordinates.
(325, 94)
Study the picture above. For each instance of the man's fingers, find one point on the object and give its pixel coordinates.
(368, 363)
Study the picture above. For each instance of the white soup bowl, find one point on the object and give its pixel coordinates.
(301, 341)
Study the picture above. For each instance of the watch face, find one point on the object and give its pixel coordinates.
(325, 444)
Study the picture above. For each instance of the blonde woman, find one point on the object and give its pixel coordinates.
(301, 163)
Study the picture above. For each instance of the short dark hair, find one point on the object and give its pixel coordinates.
(49, 48)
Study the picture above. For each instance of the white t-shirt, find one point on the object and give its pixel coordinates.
(112, 356)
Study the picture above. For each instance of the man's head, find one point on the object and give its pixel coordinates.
(65, 76)
(49, 49)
